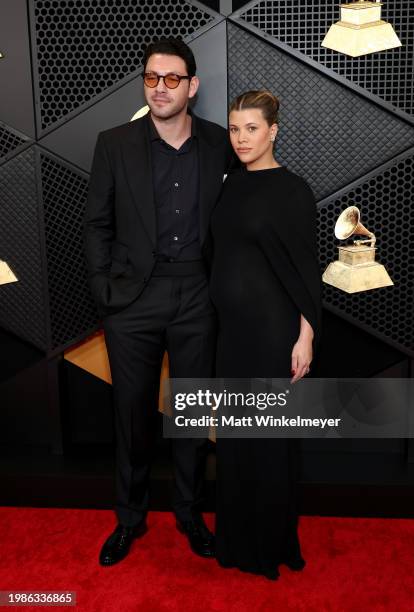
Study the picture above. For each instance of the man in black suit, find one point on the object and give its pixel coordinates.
(154, 182)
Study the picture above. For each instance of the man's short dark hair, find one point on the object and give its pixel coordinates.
(172, 46)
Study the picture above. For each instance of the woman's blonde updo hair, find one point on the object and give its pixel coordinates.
(262, 99)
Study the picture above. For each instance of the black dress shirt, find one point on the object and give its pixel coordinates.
(175, 175)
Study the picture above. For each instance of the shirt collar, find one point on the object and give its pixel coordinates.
(153, 134)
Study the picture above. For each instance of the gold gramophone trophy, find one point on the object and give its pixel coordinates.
(356, 268)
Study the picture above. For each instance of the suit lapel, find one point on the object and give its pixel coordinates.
(138, 168)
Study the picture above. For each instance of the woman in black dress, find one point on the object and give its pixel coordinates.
(266, 287)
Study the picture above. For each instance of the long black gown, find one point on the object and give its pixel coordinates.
(265, 273)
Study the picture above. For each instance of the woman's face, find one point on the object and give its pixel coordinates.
(251, 135)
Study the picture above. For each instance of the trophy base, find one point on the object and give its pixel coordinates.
(361, 277)
(6, 274)
(360, 40)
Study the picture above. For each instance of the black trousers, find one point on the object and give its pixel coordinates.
(173, 313)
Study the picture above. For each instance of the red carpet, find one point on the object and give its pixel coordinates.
(355, 565)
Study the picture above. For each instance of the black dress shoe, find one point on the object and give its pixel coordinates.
(296, 564)
(201, 540)
(119, 542)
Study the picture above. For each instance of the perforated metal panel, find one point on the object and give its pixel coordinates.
(72, 310)
(386, 204)
(23, 303)
(303, 25)
(84, 47)
(16, 99)
(10, 142)
(328, 133)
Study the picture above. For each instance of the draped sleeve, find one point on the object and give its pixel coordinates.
(289, 242)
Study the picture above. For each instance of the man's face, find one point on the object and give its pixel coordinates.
(164, 102)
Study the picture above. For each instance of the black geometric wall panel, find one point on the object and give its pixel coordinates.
(328, 133)
(85, 47)
(11, 142)
(303, 25)
(22, 303)
(72, 311)
(385, 200)
(16, 83)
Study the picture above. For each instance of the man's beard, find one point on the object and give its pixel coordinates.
(165, 112)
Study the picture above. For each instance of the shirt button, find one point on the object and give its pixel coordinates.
(175, 184)
(175, 237)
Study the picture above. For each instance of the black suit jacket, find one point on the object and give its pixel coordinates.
(120, 219)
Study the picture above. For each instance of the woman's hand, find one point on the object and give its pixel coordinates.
(301, 357)
(302, 351)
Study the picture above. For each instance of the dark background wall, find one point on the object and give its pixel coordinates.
(70, 69)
